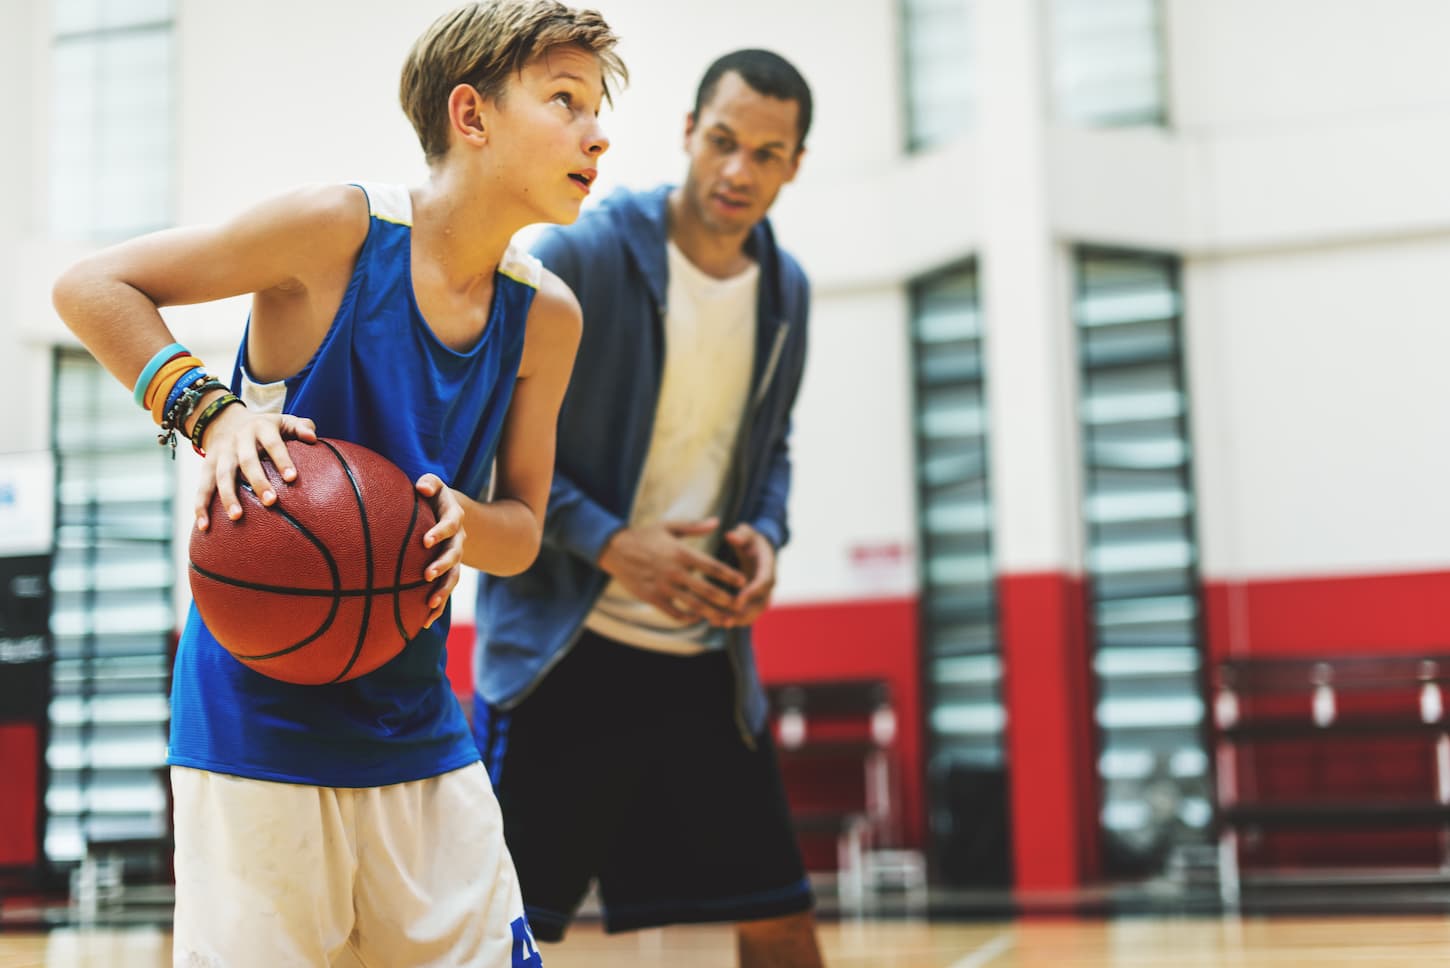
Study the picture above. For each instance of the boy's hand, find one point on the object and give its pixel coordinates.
(757, 560)
(232, 443)
(448, 536)
(655, 564)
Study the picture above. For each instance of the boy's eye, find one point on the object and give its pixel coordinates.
(563, 98)
(721, 143)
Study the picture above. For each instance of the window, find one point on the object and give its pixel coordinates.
(1108, 62)
(112, 127)
(1142, 558)
(937, 70)
(959, 621)
(111, 619)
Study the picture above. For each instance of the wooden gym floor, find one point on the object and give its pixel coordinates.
(1227, 942)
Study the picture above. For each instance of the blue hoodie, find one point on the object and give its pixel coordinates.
(614, 259)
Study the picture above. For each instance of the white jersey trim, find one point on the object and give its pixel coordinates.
(263, 397)
(522, 267)
(391, 203)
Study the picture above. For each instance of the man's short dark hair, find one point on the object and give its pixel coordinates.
(767, 73)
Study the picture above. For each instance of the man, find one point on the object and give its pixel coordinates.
(619, 711)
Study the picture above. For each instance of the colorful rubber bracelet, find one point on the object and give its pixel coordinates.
(173, 385)
(166, 376)
(157, 362)
(188, 379)
(212, 409)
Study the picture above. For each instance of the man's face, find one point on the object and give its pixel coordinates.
(743, 147)
(546, 131)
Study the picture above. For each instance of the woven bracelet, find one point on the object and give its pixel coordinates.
(207, 416)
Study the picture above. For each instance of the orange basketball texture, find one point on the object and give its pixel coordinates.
(326, 584)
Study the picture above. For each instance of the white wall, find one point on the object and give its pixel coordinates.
(853, 491)
(24, 361)
(1312, 120)
(1319, 230)
(275, 94)
(1320, 403)
(1247, 64)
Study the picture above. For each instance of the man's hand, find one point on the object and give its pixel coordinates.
(757, 560)
(655, 564)
(448, 537)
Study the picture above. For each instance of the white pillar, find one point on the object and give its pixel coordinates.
(1031, 372)
(1034, 466)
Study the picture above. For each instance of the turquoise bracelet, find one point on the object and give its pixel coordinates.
(157, 362)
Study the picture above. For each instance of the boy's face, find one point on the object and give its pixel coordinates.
(743, 147)
(545, 131)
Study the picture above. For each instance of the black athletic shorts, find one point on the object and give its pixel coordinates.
(627, 766)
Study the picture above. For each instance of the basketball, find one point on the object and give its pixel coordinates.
(326, 584)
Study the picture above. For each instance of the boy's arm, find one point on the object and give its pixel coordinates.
(279, 248)
(506, 531)
(575, 521)
(110, 300)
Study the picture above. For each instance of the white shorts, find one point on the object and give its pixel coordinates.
(277, 875)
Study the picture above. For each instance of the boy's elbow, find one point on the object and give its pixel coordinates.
(73, 291)
(65, 294)
(528, 552)
(520, 557)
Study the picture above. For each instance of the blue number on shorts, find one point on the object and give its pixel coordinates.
(526, 949)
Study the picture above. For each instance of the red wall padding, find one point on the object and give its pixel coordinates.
(1327, 616)
(19, 807)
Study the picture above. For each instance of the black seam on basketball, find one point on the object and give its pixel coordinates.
(362, 513)
(326, 558)
(321, 631)
(398, 575)
(257, 586)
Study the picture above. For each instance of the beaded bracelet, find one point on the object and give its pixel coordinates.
(148, 372)
(189, 378)
(209, 414)
(175, 418)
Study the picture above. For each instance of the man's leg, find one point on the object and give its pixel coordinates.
(788, 942)
(709, 837)
(566, 765)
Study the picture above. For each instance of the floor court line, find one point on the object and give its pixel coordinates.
(987, 953)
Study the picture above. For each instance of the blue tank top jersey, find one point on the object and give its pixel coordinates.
(382, 379)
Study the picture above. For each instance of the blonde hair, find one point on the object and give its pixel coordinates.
(483, 44)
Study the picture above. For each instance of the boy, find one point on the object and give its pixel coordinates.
(347, 823)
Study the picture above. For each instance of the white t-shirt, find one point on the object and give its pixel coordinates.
(709, 352)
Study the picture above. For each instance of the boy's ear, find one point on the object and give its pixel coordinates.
(689, 128)
(466, 114)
